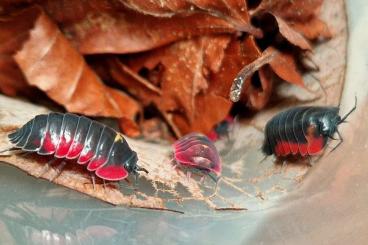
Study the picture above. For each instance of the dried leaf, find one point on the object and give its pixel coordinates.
(296, 10)
(191, 77)
(138, 86)
(282, 64)
(186, 67)
(12, 34)
(129, 128)
(50, 63)
(258, 98)
(12, 81)
(291, 35)
(312, 29)
(297, 20)
(130, 32)
(233, 11)
(242, 79)
(154, 129)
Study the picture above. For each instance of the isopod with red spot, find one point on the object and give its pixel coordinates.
(99, 148)
(197, 153)
(222, 129)
(302, 131)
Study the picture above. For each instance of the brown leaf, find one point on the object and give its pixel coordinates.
(283, 64)
(297, 20)
(291, 35)
(137, 85)
(296, 10)
(186, 67)
(12, 81)
(154, 129)
(129, 127)
(130, 32)
(258, 98)
(66, 12)
(194, 77)
(242, 80)
(233, 11)
(12, 34)
(50, 63)
(312, 29)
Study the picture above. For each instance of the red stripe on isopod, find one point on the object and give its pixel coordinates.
(63, 147)
(112, 173)
(84, 158)
(313, 147)
(95, 164)
(74, 151)
(48, 146)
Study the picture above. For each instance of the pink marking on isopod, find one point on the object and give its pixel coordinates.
(195, 151)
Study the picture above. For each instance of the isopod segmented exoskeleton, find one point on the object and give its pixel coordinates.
(195, 151)
(68, 136)
(302, 131)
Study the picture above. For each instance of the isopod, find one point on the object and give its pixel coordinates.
(99, 148)
(302, 131)
(196, 152)
(222, 129)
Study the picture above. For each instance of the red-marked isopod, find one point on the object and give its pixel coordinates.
(99, 148)
(302, 131)
(197, 153)
(222, 129)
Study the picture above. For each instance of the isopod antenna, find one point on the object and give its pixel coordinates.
(342, 120)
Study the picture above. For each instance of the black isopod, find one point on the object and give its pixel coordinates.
(303, 130)
(68, 136)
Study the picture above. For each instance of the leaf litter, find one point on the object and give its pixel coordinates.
(158, 69)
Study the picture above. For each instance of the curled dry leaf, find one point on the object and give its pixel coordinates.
(258, 97)
(296, 10)
(50, 63)
(282, 64)
(192, 77)
(312, 29)
(233, 11)
(297, 20)
(12, 35)
(130, 32)
(291, 35)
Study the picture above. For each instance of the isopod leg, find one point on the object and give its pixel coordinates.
(213, 176)
(201, 180)
(104, 184)
(189, 174)
(93, 181)
(264, 159)
(46, 167)
(340, 142)
(310, 160)
(59, 169)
